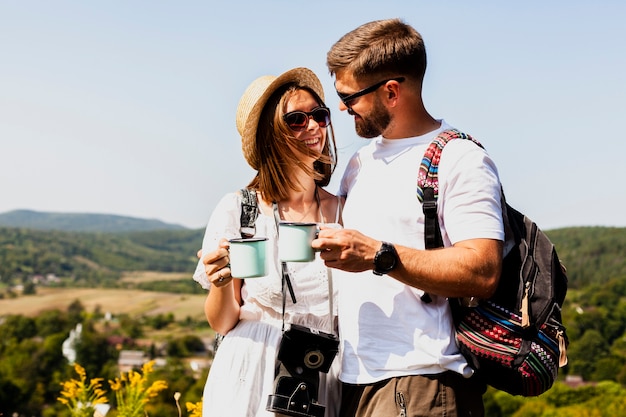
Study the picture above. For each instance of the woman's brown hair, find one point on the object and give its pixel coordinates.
(277, 158)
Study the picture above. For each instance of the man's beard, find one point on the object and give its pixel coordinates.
(376, 122)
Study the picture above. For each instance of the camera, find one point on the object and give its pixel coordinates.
(302, 355)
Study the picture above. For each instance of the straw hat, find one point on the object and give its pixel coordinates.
(254, 98)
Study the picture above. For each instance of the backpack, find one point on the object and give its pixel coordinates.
(515, 340)
(249, 212)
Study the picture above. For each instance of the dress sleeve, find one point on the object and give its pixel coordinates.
(223, 223)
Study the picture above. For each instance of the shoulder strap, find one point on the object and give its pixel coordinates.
(428, 189)
(249, 212)
(428, 184)
(428, 174)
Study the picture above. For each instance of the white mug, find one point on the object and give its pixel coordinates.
(294, 241)
(247, 257)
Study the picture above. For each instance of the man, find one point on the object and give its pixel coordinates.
(399, 356)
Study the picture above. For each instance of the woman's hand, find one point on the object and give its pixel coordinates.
(221, 307)
(217, 264)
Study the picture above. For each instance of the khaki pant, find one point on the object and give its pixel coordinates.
(447, 394)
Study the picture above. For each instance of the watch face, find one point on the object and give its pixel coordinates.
(386, 260)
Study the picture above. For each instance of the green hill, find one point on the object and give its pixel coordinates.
(592, 255)
(93, 258)
(83, 222)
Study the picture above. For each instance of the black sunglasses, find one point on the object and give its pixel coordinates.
(347, 98)
(299, 120)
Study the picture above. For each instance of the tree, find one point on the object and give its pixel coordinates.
(75, 312)
(94, 352)
(29, 288)
(10, 396)
(131, 326)
(586, 352)
(18, 327)
(52, 322)
(607, 369)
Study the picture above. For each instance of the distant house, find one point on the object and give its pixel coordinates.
(131, 359)
(51, 278)
(120, 341)
(47, 279)
(575, 381)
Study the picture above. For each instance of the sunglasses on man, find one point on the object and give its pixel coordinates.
(299, 120)
(347, 99)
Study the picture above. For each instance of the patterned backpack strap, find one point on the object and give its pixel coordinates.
(428, 189)
(428, 185)
(249, 212)
(428, 174)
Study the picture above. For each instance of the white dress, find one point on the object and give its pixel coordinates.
(242, 374)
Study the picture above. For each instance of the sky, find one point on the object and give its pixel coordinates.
(128, 107)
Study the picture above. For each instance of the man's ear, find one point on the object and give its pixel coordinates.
(392, 91)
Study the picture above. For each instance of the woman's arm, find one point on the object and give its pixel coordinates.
(223, 301)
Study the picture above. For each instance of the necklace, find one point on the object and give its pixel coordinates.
(284, 213)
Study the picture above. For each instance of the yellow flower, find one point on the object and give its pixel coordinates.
(115, 385)
(155, 388)
(147, 367)
(81, 397)
(194, 409)
(132, 391)
(80, 371)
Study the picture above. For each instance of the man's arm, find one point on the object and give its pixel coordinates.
(470, 268)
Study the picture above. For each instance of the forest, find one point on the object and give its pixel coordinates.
(32, 366)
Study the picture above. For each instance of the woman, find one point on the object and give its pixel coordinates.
(287, 138)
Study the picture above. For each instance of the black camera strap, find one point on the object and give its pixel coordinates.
(287, 280)
(302, 355)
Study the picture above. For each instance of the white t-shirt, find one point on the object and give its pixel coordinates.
(386, 330)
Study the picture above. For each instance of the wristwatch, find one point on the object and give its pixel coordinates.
(386, 259)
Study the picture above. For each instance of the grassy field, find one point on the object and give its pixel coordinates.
(146, 276)
(115, 301)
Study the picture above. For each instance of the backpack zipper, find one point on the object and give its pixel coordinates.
(525, 307)
(401, 403)
(562, 349)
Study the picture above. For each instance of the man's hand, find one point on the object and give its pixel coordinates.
(346, 249)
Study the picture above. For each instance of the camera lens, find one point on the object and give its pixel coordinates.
(313, 359)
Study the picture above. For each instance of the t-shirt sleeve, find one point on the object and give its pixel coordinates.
(471, 194)
(350, 175)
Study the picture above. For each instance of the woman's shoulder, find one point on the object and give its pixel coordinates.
(230, 199)
(230, 202)
(326, 197)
